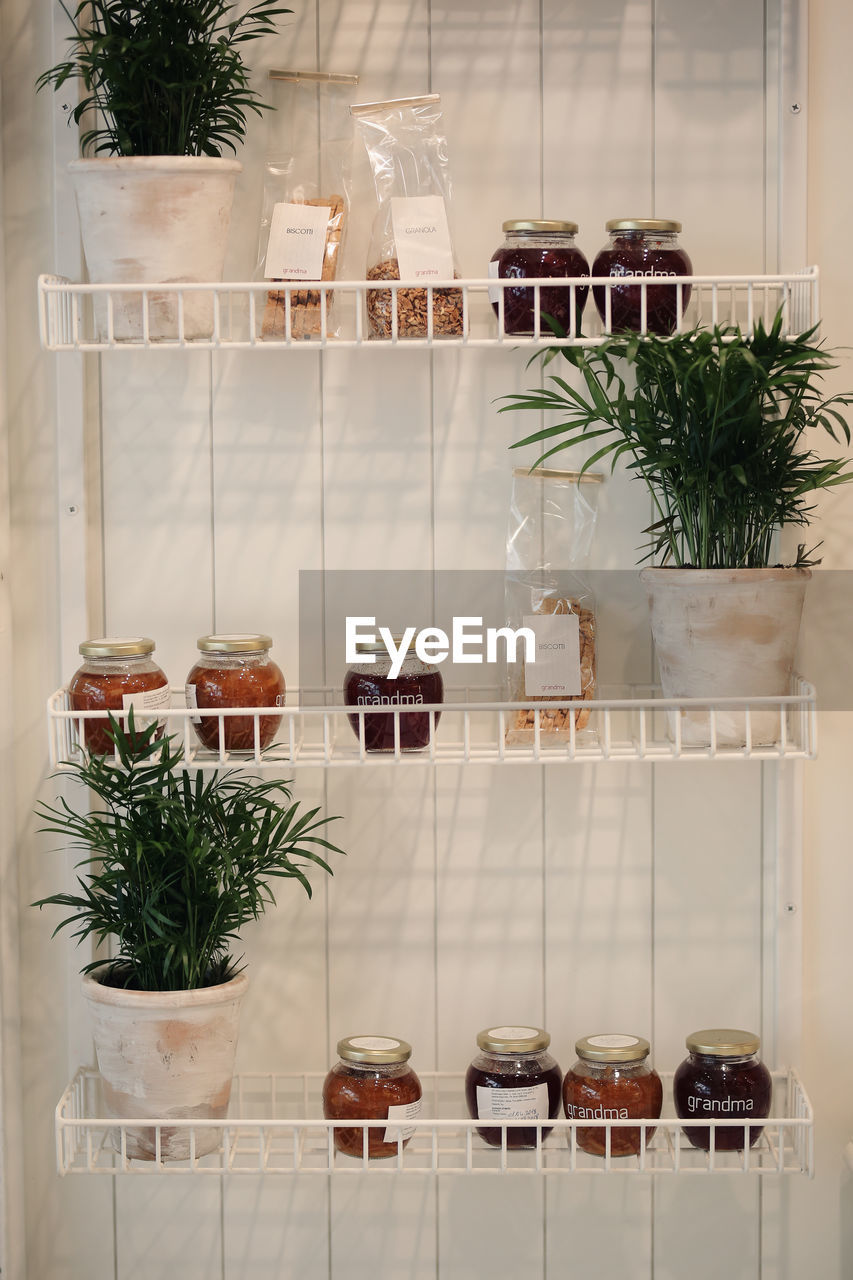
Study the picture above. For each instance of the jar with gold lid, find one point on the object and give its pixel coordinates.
(722, 1078)
(369, 683)
(117, 673)
(641, 249)
(372, 1081)
(235, 670)
(536, 248)
(612, 1080)
(513, 1077)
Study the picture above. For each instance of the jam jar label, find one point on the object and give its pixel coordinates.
(422, 237)
(613, 1042)
(556, 673)
(297, 242)
(718, 1106)
(374, 1042)
(192, 702)
(530, 1103)
(147, 699)
(401, 1111)
(494, 274)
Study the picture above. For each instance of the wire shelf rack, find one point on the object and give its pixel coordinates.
(101, 317)
(275, 1126)
(634, 723)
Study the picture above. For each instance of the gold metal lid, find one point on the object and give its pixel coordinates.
(723, 1043)
(235, 642)
(321, 77)
(613, 1048)
(377, 646)
(642, 224)
(513, 1039)
(543, 225)
(117, 647)
(374, 1050)
(572, 477)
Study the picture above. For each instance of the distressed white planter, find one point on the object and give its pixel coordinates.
(159, 219)
(726, 633)
(166, 1054)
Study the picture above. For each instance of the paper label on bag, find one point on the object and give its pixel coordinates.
(297, 243)
(530, 1103)
(402, 1111)
(556, 673)
(422, 237)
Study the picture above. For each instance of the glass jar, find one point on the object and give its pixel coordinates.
(235, 671)
(612, 1080)
(648, 248)
(722, 1078)
(536, 248)
(117, 673)
(368, 684)
(513, 1077)
(372, 1081)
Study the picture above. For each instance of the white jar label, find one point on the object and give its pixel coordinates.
(494, 294)
(402, 1111)
(147, 699)
(513, 1033)
(192, 702)
(297, 243)
(613, 1042)
(556, 673)
(375, 1042)
(422, 237)
(530, 1103)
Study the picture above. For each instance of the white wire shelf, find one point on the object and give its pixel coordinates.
(100, 317)
(632, 723)
(275, 1125)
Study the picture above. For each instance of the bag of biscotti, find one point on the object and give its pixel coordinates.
(410, 239)
(551, 523)
(307, 183)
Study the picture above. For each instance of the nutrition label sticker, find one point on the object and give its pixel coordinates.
(297, 242)
(556, 673)
(402, 1111)
(422, 237)
(512, 1104)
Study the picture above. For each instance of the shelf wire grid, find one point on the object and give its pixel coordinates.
(639, 724)
(93, 317)
(275, 1126)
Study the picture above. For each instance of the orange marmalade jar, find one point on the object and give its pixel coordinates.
(235, 670)
(117, 673)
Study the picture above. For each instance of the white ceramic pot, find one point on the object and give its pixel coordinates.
(726, 633)
(167, 1055)
(159, 219)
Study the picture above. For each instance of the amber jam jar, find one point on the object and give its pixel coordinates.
(533, 249)
(235, 671)
(612, 1080)
(368, 684)
(372, 1081)
(722, 1078)
(646, 247)
(116, 673)
(513, 1077)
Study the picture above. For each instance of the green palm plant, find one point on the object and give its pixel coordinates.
(166, 77)
(175, 864)
(716, 423)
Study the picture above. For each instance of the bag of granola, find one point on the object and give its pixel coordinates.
(307, 181)
(549, 534)
(410, 239)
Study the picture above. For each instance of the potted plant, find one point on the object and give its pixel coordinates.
(174, 865)
(165, 91)
(717, 425)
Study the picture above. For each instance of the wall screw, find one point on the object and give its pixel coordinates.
(795, 108)
(72, 509)
(791, 908)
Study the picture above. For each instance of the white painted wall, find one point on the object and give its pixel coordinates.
(621, 896)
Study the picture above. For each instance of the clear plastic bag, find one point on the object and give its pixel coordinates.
(410, 239)
(551, 523)
(307, 184)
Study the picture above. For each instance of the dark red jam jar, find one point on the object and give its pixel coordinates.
(372, 1081)
(117, 673)
(533, 249)
(235, 670)
(645, 248)
(368, 683)
(612, 1080)
(513, 1077)
(722, 1079)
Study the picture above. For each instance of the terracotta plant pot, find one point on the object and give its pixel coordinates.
(166, 1054)
(158, 219)
(726, 633)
